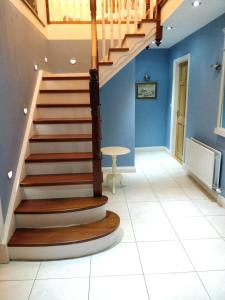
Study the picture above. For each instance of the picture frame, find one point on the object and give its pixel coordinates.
(146, 90)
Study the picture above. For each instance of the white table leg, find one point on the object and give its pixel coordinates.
(114, 167)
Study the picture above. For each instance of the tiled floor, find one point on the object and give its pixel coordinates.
(173, 246)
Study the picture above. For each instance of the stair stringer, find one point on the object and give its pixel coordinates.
(107, 72)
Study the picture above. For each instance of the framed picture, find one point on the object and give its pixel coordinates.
(146, 90)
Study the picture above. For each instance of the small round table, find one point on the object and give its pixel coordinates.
(114, 176)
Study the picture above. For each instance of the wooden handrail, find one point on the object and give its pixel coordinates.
(95, 105)
(94, 39)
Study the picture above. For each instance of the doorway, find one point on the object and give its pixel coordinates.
(179, 107)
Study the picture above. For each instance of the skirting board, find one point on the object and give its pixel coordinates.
(221, 200)
(212, 193)
(4, 257)
(125, 169)
(150, 149)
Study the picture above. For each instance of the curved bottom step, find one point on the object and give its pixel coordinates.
(64, 242)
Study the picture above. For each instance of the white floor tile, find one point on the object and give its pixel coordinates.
(206, 254)
(154, 229)
(214, 282)
(140, 195)
(15, 290)
(171, 194)
(195, 193)
(163, 257)
(68, 268)
(181, 209)
(176, 286)
(194, 228)
(219, 223)
(145, 210)
(118, 288)
(123, 259)
(120, 208)
(61, 289)
(119, 196)
(128, 234)
(209, 208)
(19, 270)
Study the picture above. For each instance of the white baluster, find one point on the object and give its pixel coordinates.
(136, 2)
(103, 31)
(128, 16)
(119, 22)
(111, 24)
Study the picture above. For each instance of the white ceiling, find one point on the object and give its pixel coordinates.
(188, 19)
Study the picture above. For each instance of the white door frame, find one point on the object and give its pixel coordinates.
(174, 102)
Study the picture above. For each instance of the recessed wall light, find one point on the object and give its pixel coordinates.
(153, 42)
(10, 174)
(73, 61)
(196, 3)
(46, 59)
(25, 110)
(169, 28)
(35, 67)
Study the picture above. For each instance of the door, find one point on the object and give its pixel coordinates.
(181, 111)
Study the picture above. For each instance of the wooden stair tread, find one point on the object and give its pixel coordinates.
(62, 205)
(118, 49)
(60, 138)
(62, 120)
(57, 179)
(134, 35)
(105, 63)
(60, 105)
(37, 237)
(50, 91)
(66, 76)
(58, 157)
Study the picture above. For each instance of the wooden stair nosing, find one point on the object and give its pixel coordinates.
(60, 205)
(118, 49)
(131, 35)
(66, 91)
(45, 78)
(61, 105)
(59, 236)
(59, 157)
(62, 120)
(57, 179)
(105, 63)
(61, 138)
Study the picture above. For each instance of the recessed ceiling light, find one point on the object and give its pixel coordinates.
(10, 174)
(46, 59)
(196, 3)
(35, 68)
(25, 110)
(73, 61)
(169, 27)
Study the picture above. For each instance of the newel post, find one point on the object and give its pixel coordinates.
(96, 131)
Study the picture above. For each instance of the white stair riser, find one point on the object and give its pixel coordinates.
(60, 219)
(63, 191)
(61, 147)
(65, 84)
(64, 251)
(58, 167)
(63, 112)
(148, 27)
(64, 98)
(130, 42)
(80, 128)
(116, 56)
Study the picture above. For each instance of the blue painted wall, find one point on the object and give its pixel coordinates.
(118, 114)
(205, 47)
(151, 115)
(21, 46)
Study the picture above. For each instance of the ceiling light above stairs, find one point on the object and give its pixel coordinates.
(196, 3)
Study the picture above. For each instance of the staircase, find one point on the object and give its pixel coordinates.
(61, 212)
(59, 215)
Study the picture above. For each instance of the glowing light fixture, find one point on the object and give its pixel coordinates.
(169, 28)
(196, 3)
(73, 61)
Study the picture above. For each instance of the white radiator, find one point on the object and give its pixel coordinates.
(204, 162)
